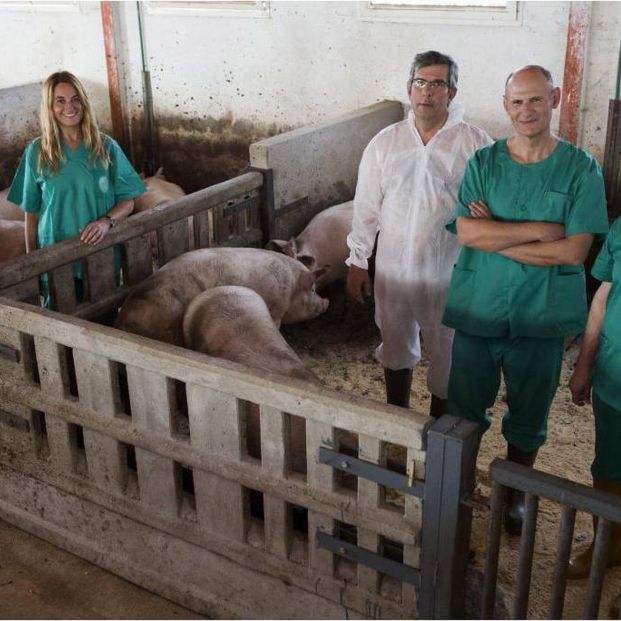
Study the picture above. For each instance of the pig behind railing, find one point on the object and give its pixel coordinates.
(322, 244)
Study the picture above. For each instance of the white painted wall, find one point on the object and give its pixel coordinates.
(306, 61)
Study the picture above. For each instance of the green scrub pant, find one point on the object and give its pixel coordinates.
(607, 463)
(531, 369)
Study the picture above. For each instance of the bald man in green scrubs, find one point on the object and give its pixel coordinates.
(528, 209)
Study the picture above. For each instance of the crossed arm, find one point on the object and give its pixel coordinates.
(532, 243)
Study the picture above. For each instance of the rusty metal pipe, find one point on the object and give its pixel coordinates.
(114, 86)
(577, 29)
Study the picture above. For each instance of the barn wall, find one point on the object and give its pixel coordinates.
(220, 82)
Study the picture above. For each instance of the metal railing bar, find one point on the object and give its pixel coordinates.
(556, 489)
(525, 562)
(369, 471)
(599, 562)
(563, 551)
(375, 561)
(493, 548)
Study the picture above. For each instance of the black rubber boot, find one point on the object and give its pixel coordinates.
(514, 509)
(398, 384)
(437, 407)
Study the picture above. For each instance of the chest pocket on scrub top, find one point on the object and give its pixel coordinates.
(555, 207)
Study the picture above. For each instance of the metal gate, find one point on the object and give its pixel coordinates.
(572, 497)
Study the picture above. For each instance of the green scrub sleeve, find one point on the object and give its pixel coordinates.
(25, 190)
(16, 191)
(126, 182)
(470, 190)
(604, 263)
(588, 213)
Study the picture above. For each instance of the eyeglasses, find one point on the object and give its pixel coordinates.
(434, 85)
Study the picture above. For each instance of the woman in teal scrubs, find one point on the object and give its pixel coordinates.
(599, 366)
(72, 180)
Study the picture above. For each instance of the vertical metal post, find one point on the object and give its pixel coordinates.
(566, 532)
(452, 447)
(114, 85)
(577, 29)
(601, 546)
(525, 562)
(266, 208)
(149, 119)
(490, 576)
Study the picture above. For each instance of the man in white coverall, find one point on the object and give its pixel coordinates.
(407, 188)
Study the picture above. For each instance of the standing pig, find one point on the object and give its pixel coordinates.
(234, 323)
(8, 210)
(155, 308)
(322, 244)
(12, 239)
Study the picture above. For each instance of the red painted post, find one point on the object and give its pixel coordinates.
(577, 29)
(114, 87)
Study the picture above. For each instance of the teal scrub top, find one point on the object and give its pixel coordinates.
(607, 371)
(493, 296)
(80, 192)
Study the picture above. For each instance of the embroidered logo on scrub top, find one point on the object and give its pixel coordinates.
(104, 184)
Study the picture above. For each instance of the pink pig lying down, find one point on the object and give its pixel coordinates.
(155, 308)
(234, 323)
(12, 239)
(322, 244)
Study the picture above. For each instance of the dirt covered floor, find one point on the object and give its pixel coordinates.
(339, 346)
(40, 581)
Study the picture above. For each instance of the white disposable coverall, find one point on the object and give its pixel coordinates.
(408, 191)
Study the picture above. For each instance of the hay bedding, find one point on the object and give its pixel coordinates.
(338, 346)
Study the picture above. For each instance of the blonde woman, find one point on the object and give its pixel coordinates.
(72, 180)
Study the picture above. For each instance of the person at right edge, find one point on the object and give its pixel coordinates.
(599, 366)
(528, 209)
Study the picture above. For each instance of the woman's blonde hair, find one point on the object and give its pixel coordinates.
(51, 153)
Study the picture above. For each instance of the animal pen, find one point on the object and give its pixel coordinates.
(132, 453)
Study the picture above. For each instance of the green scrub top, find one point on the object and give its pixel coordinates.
(493, 296)
(607, 371)
(80, 192)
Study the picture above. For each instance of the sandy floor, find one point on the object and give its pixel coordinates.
(339, 346)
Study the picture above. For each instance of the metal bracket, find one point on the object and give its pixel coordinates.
(292, 206)
(354, 553)
(370, 471)
(9, 353)
(233, 208)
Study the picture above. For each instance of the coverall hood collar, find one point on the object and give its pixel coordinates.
(456, 112)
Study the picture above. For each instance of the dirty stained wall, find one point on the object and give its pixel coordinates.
(221, 81)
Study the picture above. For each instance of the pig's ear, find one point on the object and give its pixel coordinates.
(308, 260)
(320, 272)
(141, 175)
(277, 245)
(160, 173)
(280, 245)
